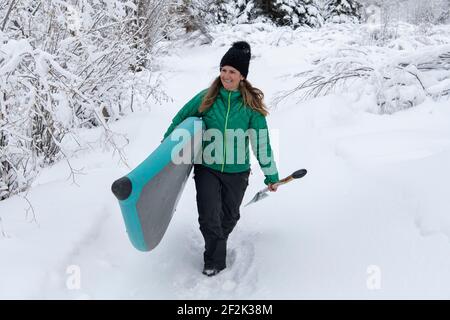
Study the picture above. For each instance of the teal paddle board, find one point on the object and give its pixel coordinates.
(149, 194)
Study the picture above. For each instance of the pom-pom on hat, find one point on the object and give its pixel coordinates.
(238, 57)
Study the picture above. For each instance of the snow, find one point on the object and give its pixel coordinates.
(14, 50)
(374, 201)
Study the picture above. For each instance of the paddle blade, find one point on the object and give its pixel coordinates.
(299, 173)
(259, 196)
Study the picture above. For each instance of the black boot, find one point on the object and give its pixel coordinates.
(210, 272)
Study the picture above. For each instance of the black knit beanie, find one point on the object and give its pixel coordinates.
(238, 57)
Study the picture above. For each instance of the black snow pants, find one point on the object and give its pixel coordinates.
(219, 196)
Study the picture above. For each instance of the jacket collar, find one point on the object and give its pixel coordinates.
(234, 97)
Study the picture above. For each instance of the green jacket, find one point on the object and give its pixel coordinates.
(227, 114)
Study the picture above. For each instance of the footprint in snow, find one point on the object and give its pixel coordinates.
(241, 260)
(238, 278)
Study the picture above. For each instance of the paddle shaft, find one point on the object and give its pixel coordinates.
(297, 174)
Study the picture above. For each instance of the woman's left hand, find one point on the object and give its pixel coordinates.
(272, 187)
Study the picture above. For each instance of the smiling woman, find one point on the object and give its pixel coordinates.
(231, 104)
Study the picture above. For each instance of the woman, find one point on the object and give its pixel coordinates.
(230, 105)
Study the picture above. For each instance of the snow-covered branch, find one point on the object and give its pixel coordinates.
(66, 65)
(396, 83)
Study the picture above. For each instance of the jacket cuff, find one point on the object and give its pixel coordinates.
(271, 179)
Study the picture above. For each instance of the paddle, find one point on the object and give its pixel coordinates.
(264, 192)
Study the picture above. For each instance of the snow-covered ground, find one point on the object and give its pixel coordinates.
(371, 220)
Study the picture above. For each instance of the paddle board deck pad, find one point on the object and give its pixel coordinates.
(148, 195)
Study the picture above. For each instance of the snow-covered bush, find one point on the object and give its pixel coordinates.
(17, 162)
(398, 88)
(394, 82)
(66, 65)
(385, 16)
(427, 12)
(385, 23)
(412, 11)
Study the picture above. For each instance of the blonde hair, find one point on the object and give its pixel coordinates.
(253, 97)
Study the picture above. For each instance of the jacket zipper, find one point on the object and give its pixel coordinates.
(225, 133)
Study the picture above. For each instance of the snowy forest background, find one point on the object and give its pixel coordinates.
(358, 93)
(71, 65)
